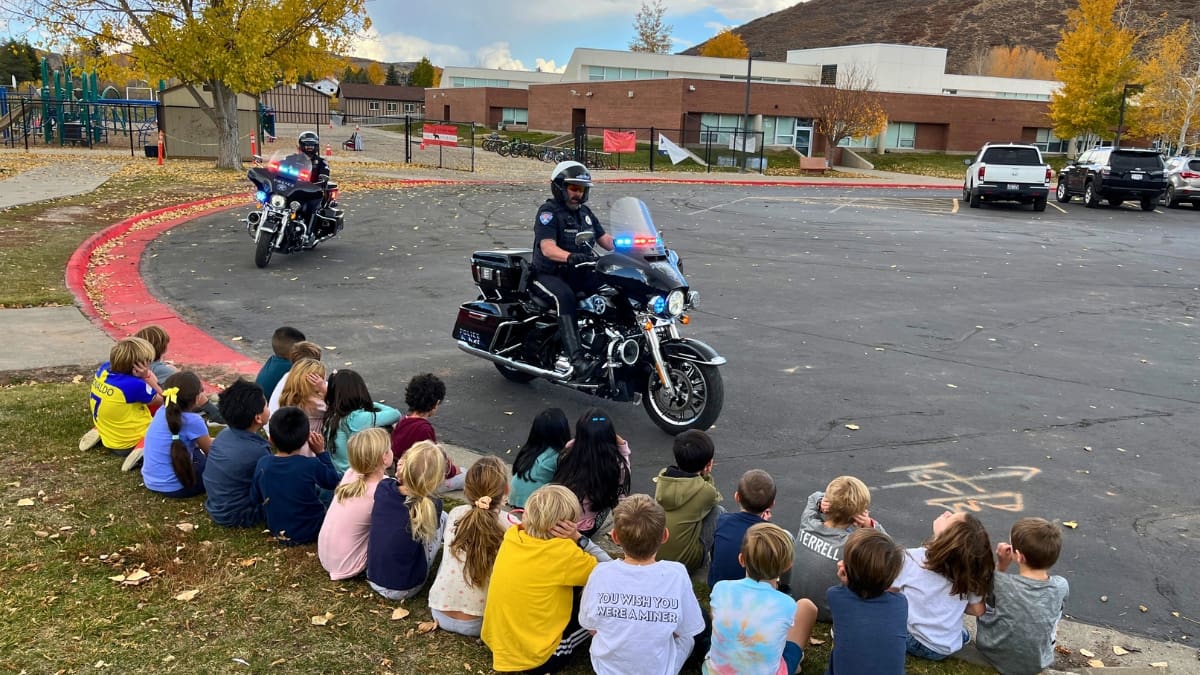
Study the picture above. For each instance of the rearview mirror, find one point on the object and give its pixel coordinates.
(585, 238)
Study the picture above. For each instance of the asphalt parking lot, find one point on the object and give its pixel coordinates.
(994, 360)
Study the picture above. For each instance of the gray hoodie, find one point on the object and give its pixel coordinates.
(818, 550)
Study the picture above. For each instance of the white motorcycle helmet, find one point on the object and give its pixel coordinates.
(572, 173)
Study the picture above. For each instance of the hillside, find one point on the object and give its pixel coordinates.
(960, 27)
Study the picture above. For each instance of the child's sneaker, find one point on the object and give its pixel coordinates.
(133, 460)
(90, 440)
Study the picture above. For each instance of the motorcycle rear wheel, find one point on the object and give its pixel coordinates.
(263, 247)
(700, 394)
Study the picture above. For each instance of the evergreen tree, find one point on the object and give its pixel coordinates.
(18, 59)
(393, 76)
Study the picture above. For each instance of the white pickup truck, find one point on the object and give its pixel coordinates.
(1007, 172)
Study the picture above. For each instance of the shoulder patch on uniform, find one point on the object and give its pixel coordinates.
(545, 217)
(587, 219)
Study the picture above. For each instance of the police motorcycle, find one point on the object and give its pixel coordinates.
(630, 326)
(282, 186)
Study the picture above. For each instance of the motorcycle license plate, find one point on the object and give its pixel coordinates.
(1014, 186)
(1137, 176)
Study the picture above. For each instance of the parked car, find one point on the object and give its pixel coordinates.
(1116, 175)
(1183, 182)
(1007, 172)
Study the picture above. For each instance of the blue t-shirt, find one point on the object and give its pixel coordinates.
(870, 633)
(272, 372)
(157, 472)
(229, 475)
(750, 621)
(727, 544)
(395, 560)
(286, 486)
(541, 473)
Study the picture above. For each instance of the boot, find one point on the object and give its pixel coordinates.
(580, 364)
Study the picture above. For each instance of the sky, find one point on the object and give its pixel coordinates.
(535, 34)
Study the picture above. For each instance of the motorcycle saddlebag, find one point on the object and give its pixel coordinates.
(499, 270)
(478, 321)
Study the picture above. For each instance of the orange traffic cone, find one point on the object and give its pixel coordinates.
(328, 150)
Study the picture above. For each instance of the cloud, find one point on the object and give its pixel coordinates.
(499, 55)
(737, 11)
(400, 47)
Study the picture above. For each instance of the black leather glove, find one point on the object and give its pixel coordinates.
(578, 258)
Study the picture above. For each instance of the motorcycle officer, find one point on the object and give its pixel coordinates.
(309, 144)
(559, 265)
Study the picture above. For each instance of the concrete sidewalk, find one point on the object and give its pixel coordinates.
(61, 337)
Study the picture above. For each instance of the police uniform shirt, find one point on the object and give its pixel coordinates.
(557, 222)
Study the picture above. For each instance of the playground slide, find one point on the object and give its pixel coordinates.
(13, 117)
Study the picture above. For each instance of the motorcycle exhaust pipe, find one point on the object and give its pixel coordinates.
(515, 365)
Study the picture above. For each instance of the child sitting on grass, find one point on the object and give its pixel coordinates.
(286, 482)
(826, 523)
(177, 440)
(474, 532)
(300, 351)
(537, 460)
(123, 389)
(943, 580)
(423, 396)
(406, 524)
(870, 621)
(643, 613)
(342, 544)
(756, 628)
(235, 452)
(280, 362)
(755, 495)
(158, 338)
(691, 500)
(531, 619)
(349, 409)
(1016, 632)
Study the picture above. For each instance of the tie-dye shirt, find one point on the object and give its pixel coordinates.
(750, 621)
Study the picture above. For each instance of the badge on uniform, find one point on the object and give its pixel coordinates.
(545, 217)
(587, 219)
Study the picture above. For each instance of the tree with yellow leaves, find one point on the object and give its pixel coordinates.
(726, 44)
(223, 46)
(1018, 62)
(851, 108)
(375, 73)
(1095, 62)
(1169, 107)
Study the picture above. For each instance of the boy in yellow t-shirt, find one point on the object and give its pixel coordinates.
(123, 390)
(530, 621)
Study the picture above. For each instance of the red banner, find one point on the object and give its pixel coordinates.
(620, 141)
(439, 134)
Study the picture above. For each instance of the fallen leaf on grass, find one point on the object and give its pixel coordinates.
(248, 562)
(399, 613)
(815, 641)
(1086, 653)
(25, 502)
(852, 427)
(276, 662)
(1070, 523)
(1096, 663)
(1119, 650)
(426, 627)
(185, 527)
(322, 619)
(186, 596)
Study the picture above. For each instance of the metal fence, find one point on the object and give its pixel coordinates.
(715, 148)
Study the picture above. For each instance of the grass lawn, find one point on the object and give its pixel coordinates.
(941, 165)
(100, 574)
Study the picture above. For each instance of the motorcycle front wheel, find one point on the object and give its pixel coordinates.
(263, 247)
(699, 395)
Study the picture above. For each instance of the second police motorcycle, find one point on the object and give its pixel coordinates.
(630, 326)
(283, 185)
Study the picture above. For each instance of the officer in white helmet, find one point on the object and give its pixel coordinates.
(562, 268)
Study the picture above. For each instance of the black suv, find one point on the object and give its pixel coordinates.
(1115, 175)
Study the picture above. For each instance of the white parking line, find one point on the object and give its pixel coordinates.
(1061, 209)
(718, 206)
(843, 205)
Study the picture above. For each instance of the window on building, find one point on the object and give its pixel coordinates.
(458, 81)
(829, 74)
(373, 106)
(901, 135)
(717, 129)
(779, 130)
(599, 73)
(514, 116)
(1048, 142)
(393, 107)
(410, 108)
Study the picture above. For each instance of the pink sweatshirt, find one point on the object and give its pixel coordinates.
(342, 544)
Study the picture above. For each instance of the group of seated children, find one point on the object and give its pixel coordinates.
(529, 580)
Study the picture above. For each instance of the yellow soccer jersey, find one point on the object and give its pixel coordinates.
(118, 405)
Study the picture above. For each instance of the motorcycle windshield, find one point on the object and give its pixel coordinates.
(638, 251)
(292, 167)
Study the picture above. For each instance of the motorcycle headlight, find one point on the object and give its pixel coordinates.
(278, 201)
(675, 302)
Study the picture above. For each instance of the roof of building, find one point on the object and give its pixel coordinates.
(382, 92)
